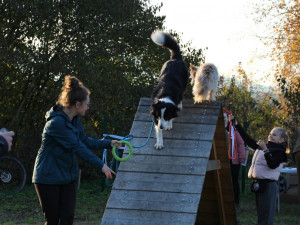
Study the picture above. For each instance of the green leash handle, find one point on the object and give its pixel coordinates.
(130, 151)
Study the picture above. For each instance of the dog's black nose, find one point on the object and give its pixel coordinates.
(161, 127)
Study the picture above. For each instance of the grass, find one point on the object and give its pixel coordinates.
(246, 214)
(23, 208)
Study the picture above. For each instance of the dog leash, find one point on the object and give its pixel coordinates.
(125, 140)
(104, 157)
(115, 151)
(232, 148)
(130, 137)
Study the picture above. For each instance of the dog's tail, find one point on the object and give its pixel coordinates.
(166, 40)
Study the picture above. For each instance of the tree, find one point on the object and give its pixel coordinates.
(289, 103)
(238, 96)
(283, 19)
(106, 44)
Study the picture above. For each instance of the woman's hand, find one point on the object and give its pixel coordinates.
(8, 136)
(261, 144)
(232, 118)
(113, 142)
(107, 171)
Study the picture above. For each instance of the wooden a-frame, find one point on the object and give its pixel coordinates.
(187, 182)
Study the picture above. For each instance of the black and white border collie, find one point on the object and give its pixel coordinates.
(172, 82)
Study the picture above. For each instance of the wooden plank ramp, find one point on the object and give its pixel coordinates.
(165, 186)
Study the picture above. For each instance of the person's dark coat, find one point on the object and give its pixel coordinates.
(62, 141)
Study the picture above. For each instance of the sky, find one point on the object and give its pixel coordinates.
(226, 28)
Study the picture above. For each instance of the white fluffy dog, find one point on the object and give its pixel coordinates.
(204, 81)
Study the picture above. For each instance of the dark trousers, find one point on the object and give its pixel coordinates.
(266, 204)
(235, 169)
(297, 159)
(57, 202)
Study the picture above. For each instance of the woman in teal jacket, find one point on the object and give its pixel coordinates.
(63, 140)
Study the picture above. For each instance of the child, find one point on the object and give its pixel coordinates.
(266, 165)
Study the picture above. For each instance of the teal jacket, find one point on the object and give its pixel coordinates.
(62, 142)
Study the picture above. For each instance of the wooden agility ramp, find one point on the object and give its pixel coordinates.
(179, 184)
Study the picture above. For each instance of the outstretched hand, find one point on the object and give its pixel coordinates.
(261, 144)
(233, 119)
(8, 136)
(107, 171)
(113, 142)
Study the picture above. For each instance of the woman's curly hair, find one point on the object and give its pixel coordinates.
(72, 91)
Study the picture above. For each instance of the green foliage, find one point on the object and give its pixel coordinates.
(291, 94)
(255, 113)
(281, 19)
(106, 44)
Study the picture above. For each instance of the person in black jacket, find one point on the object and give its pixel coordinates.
(6, 142)
(266, 165)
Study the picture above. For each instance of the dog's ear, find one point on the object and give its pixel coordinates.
(154, 108)
(171, 112)
(176, 112)
(192, 73)
(193, 70)
(154, 104)
(152, 112)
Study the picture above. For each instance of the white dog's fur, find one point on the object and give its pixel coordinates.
(204, 81)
